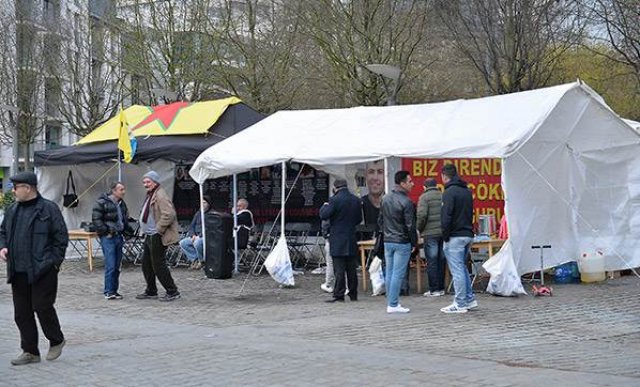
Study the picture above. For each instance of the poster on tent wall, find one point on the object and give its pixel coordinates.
(261, 187)
(482, 176)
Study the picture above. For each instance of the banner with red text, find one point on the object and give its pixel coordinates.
(482, 176)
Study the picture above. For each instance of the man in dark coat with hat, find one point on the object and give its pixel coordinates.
(33, 243)
(344, 213)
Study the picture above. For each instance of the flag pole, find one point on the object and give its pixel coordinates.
(119, 167)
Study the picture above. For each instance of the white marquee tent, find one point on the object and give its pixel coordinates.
(571, 171)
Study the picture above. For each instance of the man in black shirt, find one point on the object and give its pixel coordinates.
(374, 174)
(33, 242)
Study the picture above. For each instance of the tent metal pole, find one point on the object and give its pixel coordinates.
(386, 175)
(235, 223)
(204, 233)
(282, 196)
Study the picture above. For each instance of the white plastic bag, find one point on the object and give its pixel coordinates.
(377, 277)
(505, 280)
(278, 263)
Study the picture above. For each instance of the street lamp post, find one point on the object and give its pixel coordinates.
(391, 72)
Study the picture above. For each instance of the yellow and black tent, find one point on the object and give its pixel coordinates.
(176, 132)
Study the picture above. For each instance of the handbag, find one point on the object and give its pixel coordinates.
(70, 200)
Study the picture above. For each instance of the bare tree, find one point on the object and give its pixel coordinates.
(352, 34)
(257, 49)
(514, 44)
(86, 73)
(163, 48)
(620, 20)
(22, 79)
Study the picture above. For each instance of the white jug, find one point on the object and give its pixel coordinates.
(591, 267)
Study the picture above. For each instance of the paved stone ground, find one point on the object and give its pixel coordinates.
(586, 335)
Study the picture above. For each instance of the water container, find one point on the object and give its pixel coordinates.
(566, 273)
(592, 267)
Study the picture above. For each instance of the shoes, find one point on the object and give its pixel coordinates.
(353, 297)
(397, 309)
(146, 296)
(453, 308)
(437, 293)
(116, 296)
(346, 292)
(55, 351)
(332, 300)
(170, 297)
(472, 305)
(25, 358)
(326, 288)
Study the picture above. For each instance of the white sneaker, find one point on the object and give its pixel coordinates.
(326, 288)
(472, 305)
(346, 292)
(397, 309)
(453, 308)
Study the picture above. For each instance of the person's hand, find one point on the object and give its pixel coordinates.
(193, 238)
(3, 254)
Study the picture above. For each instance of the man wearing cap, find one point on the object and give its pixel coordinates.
(192, 244)
(159, 223)
(344, 213)
(429, 226)
(33, 242)
(110, 218)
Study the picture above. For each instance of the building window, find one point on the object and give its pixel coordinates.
(53, 136)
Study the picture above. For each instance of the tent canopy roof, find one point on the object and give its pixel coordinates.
(485, 127)
(230, 121)
(178, 118)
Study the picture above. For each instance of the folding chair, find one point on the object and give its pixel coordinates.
(296, 234)
(266, 242)
(174, 255)
(133, 244)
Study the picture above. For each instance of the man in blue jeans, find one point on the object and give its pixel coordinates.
(110, 218)
(398, 224)
(457, 233)
(430, 227)
(191, 245)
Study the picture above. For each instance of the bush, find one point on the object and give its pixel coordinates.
(6, 199)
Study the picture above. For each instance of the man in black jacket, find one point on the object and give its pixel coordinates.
(344, 213)
(457, 233)
(110, 218)
(398, 223)
(33, 242)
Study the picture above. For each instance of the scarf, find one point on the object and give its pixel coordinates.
(147, 204)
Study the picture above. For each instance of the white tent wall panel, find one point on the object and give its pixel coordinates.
(52, 185)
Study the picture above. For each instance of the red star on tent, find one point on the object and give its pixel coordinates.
(165, 114)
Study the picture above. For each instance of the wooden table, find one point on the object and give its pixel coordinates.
(86, 237)
(492, 245)
(364, 247)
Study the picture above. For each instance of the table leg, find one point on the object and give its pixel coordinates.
(418, 274)
(363, 266)
(90, 253)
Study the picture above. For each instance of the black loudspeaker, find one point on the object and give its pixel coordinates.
(219, 245)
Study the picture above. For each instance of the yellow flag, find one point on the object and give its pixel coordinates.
(124, 142)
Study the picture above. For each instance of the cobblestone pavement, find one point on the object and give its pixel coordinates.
(586, 335)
